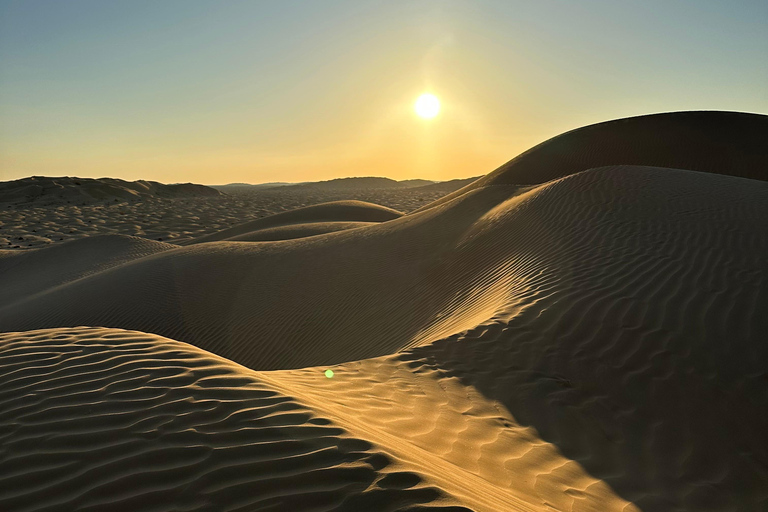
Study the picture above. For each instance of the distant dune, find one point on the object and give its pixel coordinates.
(44, 190)
(241, 188)
(447, 186)
(363, 183)
(337, 211)
(580, 330)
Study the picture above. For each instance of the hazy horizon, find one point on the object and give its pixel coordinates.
(254, 92)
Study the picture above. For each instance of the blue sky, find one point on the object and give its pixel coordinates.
(257, 91)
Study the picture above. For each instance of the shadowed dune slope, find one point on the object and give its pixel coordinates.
(730, 143)
(336, 211)
(29, 272)
(105, 419)
(292, 231)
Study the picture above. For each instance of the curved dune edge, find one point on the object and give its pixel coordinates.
(96, 419)
(27, 273)
(450, 431)
(293, 231)
(334, 211)
(726, 143)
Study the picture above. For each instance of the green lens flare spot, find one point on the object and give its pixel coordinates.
(329, 373)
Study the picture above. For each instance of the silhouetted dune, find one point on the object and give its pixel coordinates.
(359, 183)
(729, 143)
(446, 187)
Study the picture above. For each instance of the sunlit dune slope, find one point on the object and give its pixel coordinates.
(104, 419)
(336, 211)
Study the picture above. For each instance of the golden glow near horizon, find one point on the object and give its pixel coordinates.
(427, 106)
(243, 92)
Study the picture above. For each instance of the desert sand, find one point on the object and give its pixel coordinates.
(582, 329)
(41, 211)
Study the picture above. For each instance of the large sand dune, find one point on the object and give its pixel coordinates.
(592, 339)
(729, 143)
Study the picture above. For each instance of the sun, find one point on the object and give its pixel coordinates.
(427, 106)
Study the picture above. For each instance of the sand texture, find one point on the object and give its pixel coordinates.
(105, 419)
(30, 225)
(593, 341)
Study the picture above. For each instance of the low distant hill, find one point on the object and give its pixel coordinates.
(446, 187)
(365, 183)
(239, 188)
(416, 183)
(45, 190)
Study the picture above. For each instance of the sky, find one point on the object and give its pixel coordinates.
(259, 91)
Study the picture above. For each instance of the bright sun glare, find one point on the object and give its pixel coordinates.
(427, 106)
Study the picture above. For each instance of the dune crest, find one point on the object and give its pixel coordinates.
(728, 143)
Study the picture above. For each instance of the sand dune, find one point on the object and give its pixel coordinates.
(175, 220)
(447, 187)
(291, 231)
(29, 272)
(335, 211)
(729, 143)
(590, 341)
(104, 419)
(362, 183)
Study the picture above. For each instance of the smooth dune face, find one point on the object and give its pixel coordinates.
(335, 211)
(593, 342)
(293, 231)
(728, 143)
(24, 273)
